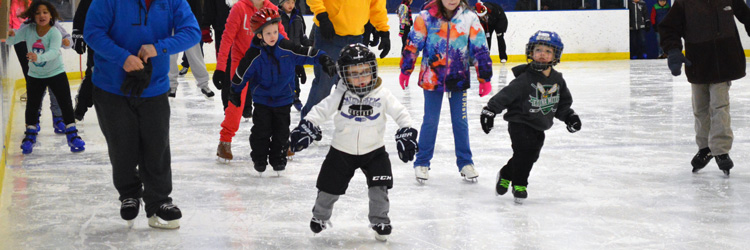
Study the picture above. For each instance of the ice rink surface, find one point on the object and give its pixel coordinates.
(623, 182)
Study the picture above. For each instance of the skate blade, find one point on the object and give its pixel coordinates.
(223, 160)
(726, 173)
(382, 238)
(278, 173)
(519, 201)
(472, 179)
(421, 180)
(155, 222)
(77, 150)
(130, 223)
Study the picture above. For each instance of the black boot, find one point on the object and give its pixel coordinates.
(725, 163)
(701, 158)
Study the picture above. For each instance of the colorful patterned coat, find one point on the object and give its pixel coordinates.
(449, 48)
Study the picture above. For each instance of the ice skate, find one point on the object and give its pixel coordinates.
(725, 163)
(75, 142)
(27, 144)
(224, 152)
(167, 216)
(382, 231)
(58, 125)
(501, 186)
(519, 193)
(183, 71)
(279, 169)
(260, 167)
(422, 173)
(129, 210)
(172, 92)
(207, 92)
(503, 60)
(469, 173)
(701, 159)
(317, 225)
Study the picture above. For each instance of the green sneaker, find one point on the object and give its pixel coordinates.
(501, 187)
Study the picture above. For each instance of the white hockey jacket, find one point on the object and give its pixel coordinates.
(359, 122)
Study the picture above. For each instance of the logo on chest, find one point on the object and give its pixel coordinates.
(545, 99)
(361, 110)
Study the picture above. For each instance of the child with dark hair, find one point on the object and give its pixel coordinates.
(45, 70)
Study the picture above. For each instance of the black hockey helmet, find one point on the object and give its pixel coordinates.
(354, 55)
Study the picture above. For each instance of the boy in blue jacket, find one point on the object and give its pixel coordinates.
(271, 77)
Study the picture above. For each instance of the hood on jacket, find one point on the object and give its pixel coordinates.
(231, 3)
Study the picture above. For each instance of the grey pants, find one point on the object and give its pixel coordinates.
(713, 125)
(197, 65)
(379, 205)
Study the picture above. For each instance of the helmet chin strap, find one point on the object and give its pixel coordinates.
(539, 66)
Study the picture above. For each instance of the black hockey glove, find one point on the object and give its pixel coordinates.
(385, 43)
(299, 70)
(406, 143)
(218, 79)
(325, 25)
(487, 119)
(137, 81)
(329, 66)
(303, 135)
(573, 123)
(674, 61)
(235, 97)
(79, 45)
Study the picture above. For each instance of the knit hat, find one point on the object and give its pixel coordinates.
(481, 10)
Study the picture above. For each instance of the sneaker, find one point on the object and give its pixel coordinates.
(129, 210)
(382, 230)
(58, 125)
(422, 173)
(701, 158)
(27, 144)
(167, 216)
(519, 192)
(469, 173)
(298, 106)
(183, 71)
(172, 92)
(75, 142)
(725, 163)
(501, 187)
(317, 225)
(207, 92)
(224, 152)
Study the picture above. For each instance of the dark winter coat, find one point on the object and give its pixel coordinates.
(638, 17)
(215, 13)
(80, 17)
(712, 42)
(197, 7)
(295, 27)
(533, 99)
(658, 13)
(495, 19)
(526, 5)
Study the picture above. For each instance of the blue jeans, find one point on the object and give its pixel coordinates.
(433, 101)
(321, 85)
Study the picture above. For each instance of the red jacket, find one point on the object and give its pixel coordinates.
(237, 34)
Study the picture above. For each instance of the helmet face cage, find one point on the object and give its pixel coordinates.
(547, 38)
(363, 70)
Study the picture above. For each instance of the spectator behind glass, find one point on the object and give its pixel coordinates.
(526, 5)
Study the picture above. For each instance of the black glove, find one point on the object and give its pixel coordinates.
(325, 25)
(218, 79)
(487, 119)
(235, 97)
(675, 60)
(303, 135)
(300, 72)
(573, 122)
(406, 143)
(648, 26)
(79, 45)
(329, 66)
(137, 81)
(385, 43)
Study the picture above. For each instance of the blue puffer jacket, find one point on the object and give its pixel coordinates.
(271, 71)
(116, 29)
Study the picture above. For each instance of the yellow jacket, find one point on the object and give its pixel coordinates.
(350, 16)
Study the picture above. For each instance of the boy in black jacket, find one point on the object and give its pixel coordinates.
(538, 94)
(294, 25)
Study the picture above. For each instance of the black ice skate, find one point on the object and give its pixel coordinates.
(317, 225)
(700, 159)
(279, 169)
(382, 230)
(260, 167)
(129, 210)
(725, 163)
(519, 193)
(167, 216)
(501, 186)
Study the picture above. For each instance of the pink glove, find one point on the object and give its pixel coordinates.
(484, 89)
(403, 79)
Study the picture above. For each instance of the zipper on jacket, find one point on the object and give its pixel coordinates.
(718, 32)
(447, 58)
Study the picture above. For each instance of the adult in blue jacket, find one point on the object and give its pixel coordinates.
(135, 38)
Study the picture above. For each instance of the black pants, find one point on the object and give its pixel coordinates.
(21, 52)
(85, 100)
(269, 137)
(527, 143)
(338, 169)
(637, 43)
(59, 86)
(405, 37)
(501, 45)
(137, 134)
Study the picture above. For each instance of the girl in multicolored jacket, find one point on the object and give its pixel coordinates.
(452, 37)
(405, 21)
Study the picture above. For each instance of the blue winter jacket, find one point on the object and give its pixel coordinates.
(271, 71)
(116, 29)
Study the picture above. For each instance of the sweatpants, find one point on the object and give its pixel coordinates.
(526, 142)
(35, 88)
(137, 135)
(713, 124)
(195, 57)
(269, 137)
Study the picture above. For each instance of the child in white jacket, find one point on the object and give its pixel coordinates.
(359, 111)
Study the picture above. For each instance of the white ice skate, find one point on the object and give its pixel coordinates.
(422, 173)
(469, 173)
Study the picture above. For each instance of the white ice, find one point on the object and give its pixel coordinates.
(623, 182)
